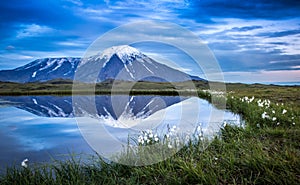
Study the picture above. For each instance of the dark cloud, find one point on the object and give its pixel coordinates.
(279, 43)
(52, 13)
(256, 60)
(246, 28)
(256, 9)
(280, 33)
(285, 62)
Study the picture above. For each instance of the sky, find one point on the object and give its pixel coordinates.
(253, 41)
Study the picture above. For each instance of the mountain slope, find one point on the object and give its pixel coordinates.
(127, 63)
(42, 70)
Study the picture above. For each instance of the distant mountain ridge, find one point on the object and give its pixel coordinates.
(118, 62)
(42, 70)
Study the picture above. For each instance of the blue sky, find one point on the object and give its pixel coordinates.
(255, 41)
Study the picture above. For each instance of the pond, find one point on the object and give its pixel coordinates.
(44, 127)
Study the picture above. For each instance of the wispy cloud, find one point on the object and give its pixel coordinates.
(33, 30)
(75, 2)
(10, 47)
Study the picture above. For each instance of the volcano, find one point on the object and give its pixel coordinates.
(115, 63)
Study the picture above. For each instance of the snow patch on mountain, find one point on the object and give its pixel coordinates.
(47, 63)
(59, 63)
(34, 101)
(148, 68)
(126, 54)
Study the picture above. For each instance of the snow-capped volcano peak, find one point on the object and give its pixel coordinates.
(127, 64)
(124, 52)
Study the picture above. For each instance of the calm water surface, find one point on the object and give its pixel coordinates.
(43, 127)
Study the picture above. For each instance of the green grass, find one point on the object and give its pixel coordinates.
(264, 152)
(239, 156)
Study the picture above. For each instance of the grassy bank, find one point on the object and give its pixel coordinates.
(266, 151)
(280, 94)
(65, 87)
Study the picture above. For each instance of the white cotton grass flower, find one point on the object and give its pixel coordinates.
(264, 115)
(274, 119)
(224, 124)
(247, 99)
(284, 111)
(24, 163)
(263, 103)
(199, 128)
(173, 129)
(198, 132)
(141, 140)
(273, 111)
(216, 159)
(147, 137)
